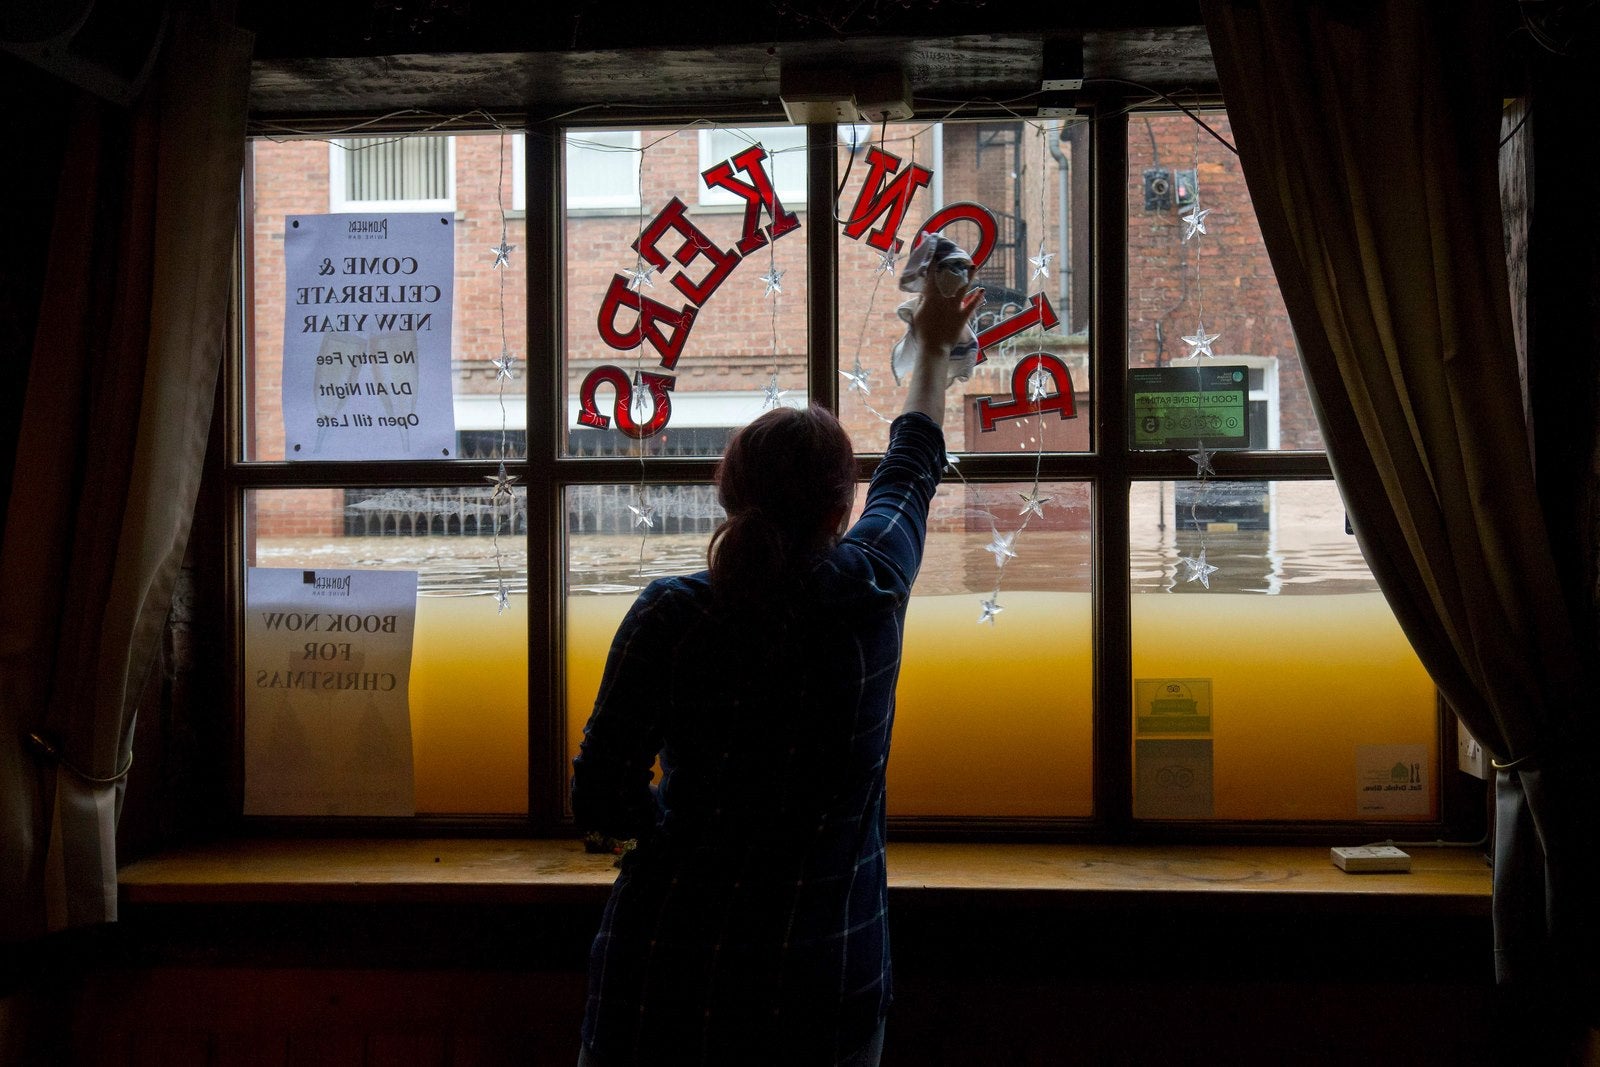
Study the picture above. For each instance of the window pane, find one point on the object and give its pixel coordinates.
(321, 319)
(977, 705)
(468, 704)
(994, 718)
(1282, 684)
(1022, 185)
(674, 335)
(1208, 301)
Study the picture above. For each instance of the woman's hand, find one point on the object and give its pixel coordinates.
(940, 321)
(937, 326)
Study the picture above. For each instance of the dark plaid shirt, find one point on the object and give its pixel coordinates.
(749, 925)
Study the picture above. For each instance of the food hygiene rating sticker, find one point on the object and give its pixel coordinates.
(1393, 780)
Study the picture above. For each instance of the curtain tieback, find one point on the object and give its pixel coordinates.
(43, 744)
(1510, 765)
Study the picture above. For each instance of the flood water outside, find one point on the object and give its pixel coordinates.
(1299, 545)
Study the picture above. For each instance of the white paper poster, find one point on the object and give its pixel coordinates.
(327, 715)
(1393, 780)
(367, 336)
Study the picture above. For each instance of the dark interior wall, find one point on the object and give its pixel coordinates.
(977, 984)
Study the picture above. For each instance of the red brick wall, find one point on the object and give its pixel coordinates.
(741, 334)
(1222, 277)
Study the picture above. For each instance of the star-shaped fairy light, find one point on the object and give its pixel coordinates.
(639, 277)
(1039, 383)
(774, 280)
(1033, 502)
(991, 608)
(505, 365)
(1202, 461)
(640, 406)
(857, 378)
(886, 265)
(502, 598)
(1001, 547)
(502, 253)
(1041, 263)
(772, 396)
(1200, 342)
(643, 515)
(1198, 568)
(1194, 222)
(502, 482)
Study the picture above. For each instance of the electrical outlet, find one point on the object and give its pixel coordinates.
(1470, 757)
(1371, 859)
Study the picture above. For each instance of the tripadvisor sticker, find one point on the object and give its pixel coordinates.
(1172, 706)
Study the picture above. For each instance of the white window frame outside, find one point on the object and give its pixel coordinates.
(625, 155)
(338, 202)
(788, 183)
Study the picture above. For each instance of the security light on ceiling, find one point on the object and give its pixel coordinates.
(845, 96)
(810, 96)
(884, 96)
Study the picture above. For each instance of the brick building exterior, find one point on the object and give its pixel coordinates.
(748, 334)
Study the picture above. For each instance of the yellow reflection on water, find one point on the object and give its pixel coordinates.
(469, 705)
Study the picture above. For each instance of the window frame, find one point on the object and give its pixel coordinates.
(1110, 468)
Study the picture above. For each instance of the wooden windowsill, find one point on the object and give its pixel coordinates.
(327, 871)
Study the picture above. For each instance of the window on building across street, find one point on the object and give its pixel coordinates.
(1141, 610)
(785, 150)
(392, 173)
(603, 168)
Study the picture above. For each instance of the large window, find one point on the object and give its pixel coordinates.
(1141, 611)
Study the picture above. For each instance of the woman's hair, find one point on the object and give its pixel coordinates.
(785, 480)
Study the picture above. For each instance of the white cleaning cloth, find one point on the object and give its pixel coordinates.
(950, 268)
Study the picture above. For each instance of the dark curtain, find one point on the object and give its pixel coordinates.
(1368, 133)
(128, 343)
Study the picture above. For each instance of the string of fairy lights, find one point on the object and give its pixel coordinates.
(1006, 529)
(505, 371)
(1196, 568)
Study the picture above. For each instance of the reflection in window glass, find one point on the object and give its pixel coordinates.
(1304, 677)
(679, 324)
(992, 720)
(469, 661)
(1030, 179)
(1217, 284)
